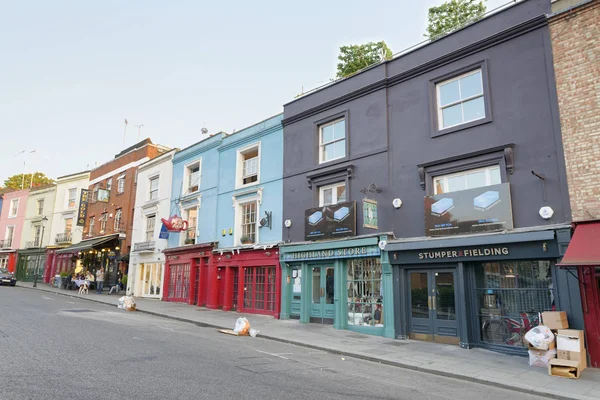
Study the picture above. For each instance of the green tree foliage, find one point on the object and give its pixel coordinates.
(452, 15)
(39, 179)
(356, 57)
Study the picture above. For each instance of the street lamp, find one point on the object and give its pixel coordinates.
(37, 265)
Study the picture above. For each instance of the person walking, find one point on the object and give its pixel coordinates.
(99, 280)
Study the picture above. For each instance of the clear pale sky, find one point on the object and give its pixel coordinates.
(72, 71)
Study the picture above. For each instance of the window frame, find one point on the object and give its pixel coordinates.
(103, 220)
(185, 236)
(109, 184)
(149, 233)
(12, 233)
(121, 182)
(487, 169)
(345, 114)
(69, 206)
(333, 193)
(239, 170)
(436, 128)
(65, 225)
(117, 221)
(92, 225)
(187, 174)
(322, 144)
(40, 207)
(152, 179)
(14, 205)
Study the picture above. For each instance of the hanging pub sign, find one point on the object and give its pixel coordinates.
(175, 223)
(83, 207)
(330, 222)
(370, 214)
(483, 209)
(103, 195)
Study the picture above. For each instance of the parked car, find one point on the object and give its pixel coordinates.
(7, 278)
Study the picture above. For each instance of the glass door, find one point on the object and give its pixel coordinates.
(322, 300)
(433, 306)
(296, 280)
(151, 279)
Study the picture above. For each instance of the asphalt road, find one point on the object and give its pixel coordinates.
(57, 347)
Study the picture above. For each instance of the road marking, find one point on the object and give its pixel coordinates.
(48, 298)
(166, 327)
(275, 354)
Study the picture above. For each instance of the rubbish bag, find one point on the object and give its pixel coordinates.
(242, 326)
(540, 337)
(253, 332)
(121, 304)
(129, 303)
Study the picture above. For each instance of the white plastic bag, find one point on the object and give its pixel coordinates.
(121, 304)
(129, 304)
(253, 332)
(242, 326)
(540, 337)
(541, 358)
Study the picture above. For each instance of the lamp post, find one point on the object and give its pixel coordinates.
(37, 265)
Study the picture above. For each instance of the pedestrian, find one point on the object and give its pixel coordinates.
(99, 280)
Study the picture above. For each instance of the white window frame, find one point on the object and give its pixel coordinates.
(103, 221)
(184, 235)
(40, 207)
(65, 225)
(14, 205)
(121, 182)
(155, 178)
(37, 235)
(334, 197)
(92, 226)
(239, 209)
(109, 184)
(488, 177)
(118, 217)
(95, 192)
(461, 101)
(239, 170)
(69, 206)
(322, 145)
(187, 174)
(12, 233)
(150, 228)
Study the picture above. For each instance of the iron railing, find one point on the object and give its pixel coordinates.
(65, 237)
(144, 246)
(6, 244)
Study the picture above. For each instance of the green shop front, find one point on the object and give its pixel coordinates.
(346, 283)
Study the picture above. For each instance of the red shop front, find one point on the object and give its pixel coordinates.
(583, 254)
(187, 274)
(248, 281)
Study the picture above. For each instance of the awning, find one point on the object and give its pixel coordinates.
(584, 248)
(87, 244)
(123, 257)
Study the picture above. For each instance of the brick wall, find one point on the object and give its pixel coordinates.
(576, 50)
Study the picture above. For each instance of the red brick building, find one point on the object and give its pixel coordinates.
(107, 216)
(575, 36)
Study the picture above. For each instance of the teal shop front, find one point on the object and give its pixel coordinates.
(345, 283)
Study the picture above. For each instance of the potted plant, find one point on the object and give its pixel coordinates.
(189, 241)
(246, 239)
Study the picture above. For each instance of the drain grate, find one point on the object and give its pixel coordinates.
(79, 310)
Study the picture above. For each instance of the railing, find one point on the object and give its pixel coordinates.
(32, 244)
(5, 244)
(144, 246)
(63, 237)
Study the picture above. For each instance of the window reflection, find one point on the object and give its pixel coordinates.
(365, 292)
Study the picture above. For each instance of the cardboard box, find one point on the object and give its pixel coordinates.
(551, 346)
(566, 368)
(555, 319)
(571, 355)
(570, 340)
(541, 358)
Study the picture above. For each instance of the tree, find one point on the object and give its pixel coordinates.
(356, 57)
(452, 15)
(39, 179)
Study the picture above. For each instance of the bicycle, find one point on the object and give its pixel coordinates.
(509, 331)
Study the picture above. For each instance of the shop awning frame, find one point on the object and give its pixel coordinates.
(584, 248)
(87, 244)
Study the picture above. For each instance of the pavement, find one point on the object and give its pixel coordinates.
(475, 365)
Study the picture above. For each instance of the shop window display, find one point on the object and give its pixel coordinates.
(365, 293)
(510, 296)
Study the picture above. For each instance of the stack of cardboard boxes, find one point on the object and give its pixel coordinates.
(569, 348)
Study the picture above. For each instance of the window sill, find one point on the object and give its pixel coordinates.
(460, 127)
(247, 185)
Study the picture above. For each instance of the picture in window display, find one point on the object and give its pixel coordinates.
(365, 293)
(511, 295)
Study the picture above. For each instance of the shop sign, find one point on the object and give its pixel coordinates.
(175, 223)
(330, 222)
(483, 209)
(370, 214)
(332, 254)
(164, 232)
(83, 207)
(484, 252)
(103, 195)
(112, 255)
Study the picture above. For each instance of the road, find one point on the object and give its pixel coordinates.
(57, 347)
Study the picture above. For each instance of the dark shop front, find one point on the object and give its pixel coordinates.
(475, 290)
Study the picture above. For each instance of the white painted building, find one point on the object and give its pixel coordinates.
(152, 202)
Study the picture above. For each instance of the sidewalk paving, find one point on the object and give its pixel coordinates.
(476, 365)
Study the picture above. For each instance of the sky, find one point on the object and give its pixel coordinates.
(73, 71)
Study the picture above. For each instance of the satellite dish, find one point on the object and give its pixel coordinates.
(204, 131)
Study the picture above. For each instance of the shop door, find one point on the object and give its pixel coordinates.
(432, 299)
(322, 307)
(590, 295)
(296, 294)
(151, 279)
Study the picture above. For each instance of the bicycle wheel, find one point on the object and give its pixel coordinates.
(495, 332)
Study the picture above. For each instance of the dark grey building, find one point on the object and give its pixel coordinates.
(449, 157)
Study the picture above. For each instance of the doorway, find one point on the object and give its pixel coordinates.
(296, 294)
(151, 279)
(322, 309)
(432, 302)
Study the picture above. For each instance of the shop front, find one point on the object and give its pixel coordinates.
(8, 259)
(346, 283)
(146, 271)
(247, 280)
(582, 259)
(187, 275)
(31, 262)
(478, 290)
